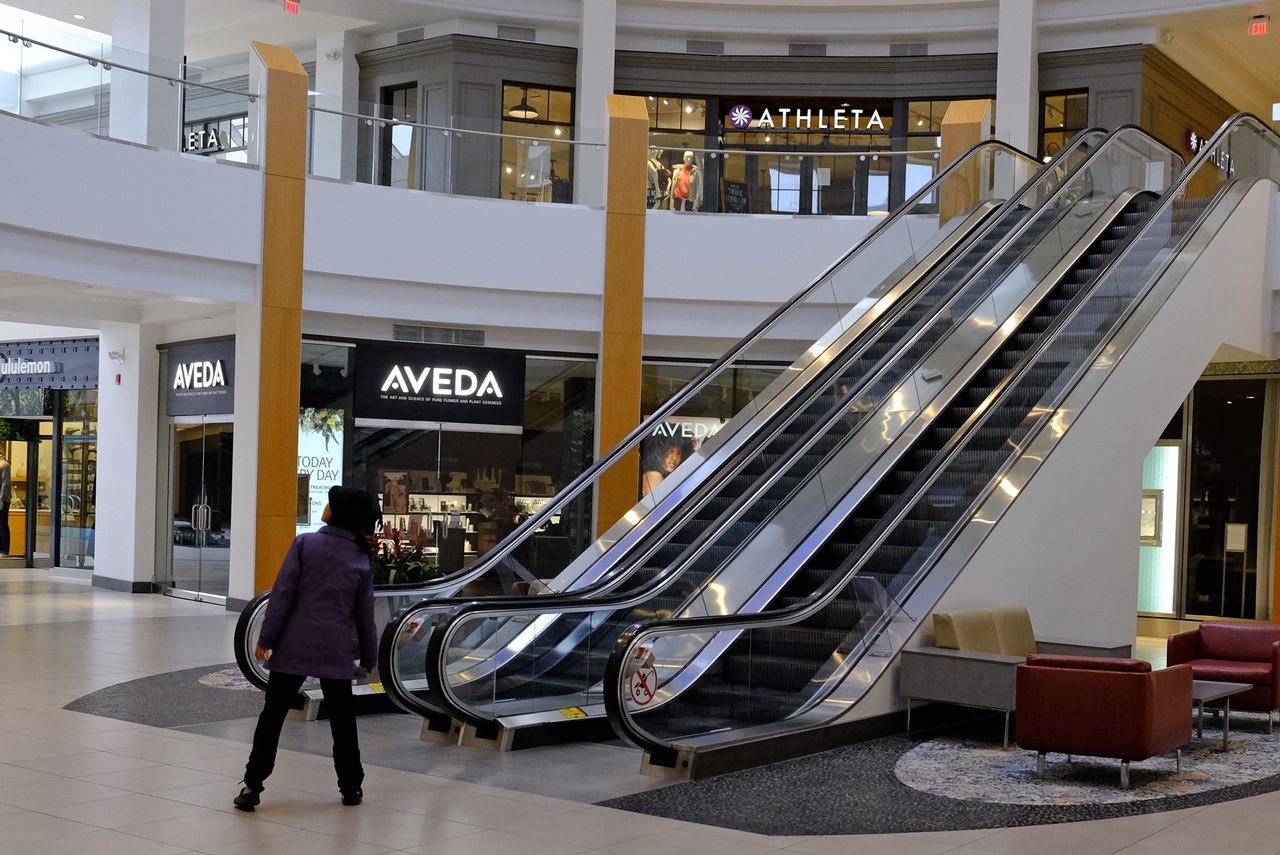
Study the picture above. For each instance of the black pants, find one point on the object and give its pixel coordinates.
(4, 528)
(281, 691)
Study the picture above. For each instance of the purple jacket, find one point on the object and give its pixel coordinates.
(323, 596)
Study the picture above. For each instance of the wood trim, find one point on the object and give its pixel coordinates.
(279, 375)
(622, 327)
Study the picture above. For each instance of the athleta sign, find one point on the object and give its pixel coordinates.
(449, 384)
(201, 378)
(742, 117)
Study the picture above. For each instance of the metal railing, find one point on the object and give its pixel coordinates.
(108, 92)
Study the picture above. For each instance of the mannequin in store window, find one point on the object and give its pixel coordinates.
(686, 185)
(6, 494)
(659, 188)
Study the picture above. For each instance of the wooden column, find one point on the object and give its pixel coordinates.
(964, 125)
(621, 331)
(284, 159)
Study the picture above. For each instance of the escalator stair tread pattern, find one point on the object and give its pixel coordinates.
(745, 685)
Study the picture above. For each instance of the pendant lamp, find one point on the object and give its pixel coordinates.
(523, 110)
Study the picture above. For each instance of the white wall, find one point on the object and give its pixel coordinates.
(125, 538)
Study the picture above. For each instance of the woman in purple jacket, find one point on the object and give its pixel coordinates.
(323, 596)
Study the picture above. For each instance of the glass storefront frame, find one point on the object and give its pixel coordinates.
(1257, 560)
(65, 464)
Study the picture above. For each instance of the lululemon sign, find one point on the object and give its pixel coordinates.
(201, 378)
(468, 385)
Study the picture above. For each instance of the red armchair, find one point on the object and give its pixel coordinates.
(1102, 708)
(1234, 653)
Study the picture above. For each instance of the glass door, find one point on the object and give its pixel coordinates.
(200, 565)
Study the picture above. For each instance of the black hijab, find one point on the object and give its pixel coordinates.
(354, 510)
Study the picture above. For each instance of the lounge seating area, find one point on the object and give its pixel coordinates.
(1098, 707)
(1235, 653)
(974, 659)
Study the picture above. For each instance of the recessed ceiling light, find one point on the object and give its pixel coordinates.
(78, 17)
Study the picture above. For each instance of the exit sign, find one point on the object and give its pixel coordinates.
(1258, 25)
(291, 6)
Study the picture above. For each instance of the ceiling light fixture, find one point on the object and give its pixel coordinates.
(523, 109)
(688, 108)
(78, 17)
(559, 131)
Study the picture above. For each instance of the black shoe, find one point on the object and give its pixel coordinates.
(248, 799)
(353, 798)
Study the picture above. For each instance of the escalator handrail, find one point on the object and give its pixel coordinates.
(241, 639)
(408, 614)
(615, 707)
(518, 602)
(455, 610)
(540, 517)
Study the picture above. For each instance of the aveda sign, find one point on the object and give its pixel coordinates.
(200, 375)
(201, 378)
(460, 382)
(412, 382)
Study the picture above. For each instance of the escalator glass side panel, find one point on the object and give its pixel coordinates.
(565, 655)
(812, 658)
(793, 664)
(566, 528)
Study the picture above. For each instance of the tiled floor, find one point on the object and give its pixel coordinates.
(75, 783)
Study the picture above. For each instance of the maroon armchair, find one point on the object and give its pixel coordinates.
(1234, 653)
(1102, 708)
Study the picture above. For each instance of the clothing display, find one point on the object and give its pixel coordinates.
(659, 177)
(6, 495)
(686, 185)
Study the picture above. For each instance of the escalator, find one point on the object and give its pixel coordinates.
(728, 691)
(549, 654)
(898, 255)
(869, 286)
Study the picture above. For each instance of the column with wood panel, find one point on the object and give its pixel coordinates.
(283, 128)
(621, 330)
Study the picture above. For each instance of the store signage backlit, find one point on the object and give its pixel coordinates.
(201, 378)
(444, 381)
(741, 118)
(61, 364)
(408, 382)
(200, 375)
(28, 366)
(203, 142)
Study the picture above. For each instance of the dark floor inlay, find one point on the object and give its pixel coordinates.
(176, 699)
(962, 781)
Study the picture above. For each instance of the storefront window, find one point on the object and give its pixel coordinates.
(223, 137)
(77, 478)
(1227, 430)
(461, 488)
(398, 149)
(537, 159)
(1062, 116)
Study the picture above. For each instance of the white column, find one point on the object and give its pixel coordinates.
(597, 40)
(147, 34)
(1018, 75)
(333, 151)
(244, 460)
(128, 417)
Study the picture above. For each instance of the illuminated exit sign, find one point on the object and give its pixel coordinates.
(1258, 25)
(291, 6)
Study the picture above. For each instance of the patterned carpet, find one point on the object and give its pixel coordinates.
(964, 780)
(958, 768)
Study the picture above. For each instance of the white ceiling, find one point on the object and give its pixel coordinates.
(1208, 37)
